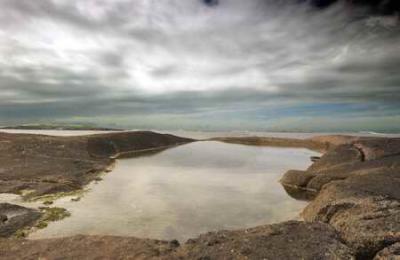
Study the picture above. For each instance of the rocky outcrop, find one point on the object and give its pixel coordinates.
(356, 190)
(14, 218)
(289, 240)
(50, 164)
(365, 211)
(362, 156)
(124, 144)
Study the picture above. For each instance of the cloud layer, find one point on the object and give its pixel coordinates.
(253, 64)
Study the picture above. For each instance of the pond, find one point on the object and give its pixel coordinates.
(184, 191)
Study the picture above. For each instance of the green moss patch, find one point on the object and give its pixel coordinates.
(49, 198)
(50, 215)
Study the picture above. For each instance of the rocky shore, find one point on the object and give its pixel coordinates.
(356, 190)
(39, 166)
(354, 209)
(35, 165)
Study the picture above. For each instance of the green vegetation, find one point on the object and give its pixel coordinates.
(50, 198)
(21, 233)
(50, 215)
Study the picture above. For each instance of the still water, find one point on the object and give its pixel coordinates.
(182, 192)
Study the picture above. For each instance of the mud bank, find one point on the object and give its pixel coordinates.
(354, 212)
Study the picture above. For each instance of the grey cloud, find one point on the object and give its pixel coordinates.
(181, 58)
(112, 59)
(164, 71)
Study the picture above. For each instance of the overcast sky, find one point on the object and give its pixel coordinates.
(185, 64)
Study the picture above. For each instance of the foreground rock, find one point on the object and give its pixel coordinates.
(290, 240)
(85, 247)
(14, 218)
(359, 157)
(356, 190)
(49, 164)
(365, 210)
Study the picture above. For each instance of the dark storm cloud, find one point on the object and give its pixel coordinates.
(210, 2)
(61, 59)
(386, 7)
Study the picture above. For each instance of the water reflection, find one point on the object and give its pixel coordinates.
(184, 191)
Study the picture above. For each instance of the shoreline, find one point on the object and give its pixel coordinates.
(350, 199)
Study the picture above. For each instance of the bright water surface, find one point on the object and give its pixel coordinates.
(182, 192)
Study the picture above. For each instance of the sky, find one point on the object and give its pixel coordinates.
(281, 65)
